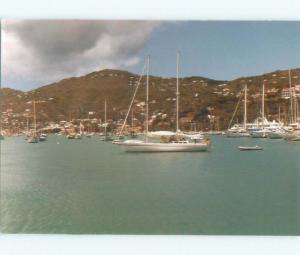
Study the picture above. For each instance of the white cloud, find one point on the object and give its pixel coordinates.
(43, 51)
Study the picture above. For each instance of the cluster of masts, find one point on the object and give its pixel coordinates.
(176, 141)
(170, 141)
(180, 141)
(262, 128)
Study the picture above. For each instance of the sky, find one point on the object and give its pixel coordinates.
(36, 53)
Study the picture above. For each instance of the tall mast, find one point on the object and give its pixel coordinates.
(34, 118)
(245, 108)
(105, 124)
(295, 107)
(132, 119)
(177, 92)
(147, 99)
(291, 99)
(27, 125)
(263, 105)
(88, 126)
(279, 114)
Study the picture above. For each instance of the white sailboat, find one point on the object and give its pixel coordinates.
(33, 138)
(294, 124)
(261, 132)
(43, 137)
(187, 145)
(106, 137)
(133, 134)
(238, 130)
(89, 134)
(78, 136)
(277, 132)
(292, 130)
(1, 135)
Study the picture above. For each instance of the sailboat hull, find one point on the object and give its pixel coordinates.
(33, 140)
(164, 147)
(275, 135)
(237, 134)
(259, 134)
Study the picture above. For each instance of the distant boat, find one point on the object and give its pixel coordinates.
(89, 135)
(43, 137)
(172, 145)
(117, 141)
(276, 134)
(71, 136)
(260, 133)
(1, 136)
(239, 130)
(78, 136)
(292, 136)
(294, 123)
(250, 148)
(133, 134)
(106, 137)
(264, 128)
(295, 139)
(33, 138)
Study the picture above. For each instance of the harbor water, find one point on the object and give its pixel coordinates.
(92, 187)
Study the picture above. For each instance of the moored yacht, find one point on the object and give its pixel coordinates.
(71, 136)
(260, 130)
(191, 145)
(259, 133)
(238, 130)
(173, 145)
(106, 136)
(277, 134)
(292, 136)
(33, 138)
(43, 137)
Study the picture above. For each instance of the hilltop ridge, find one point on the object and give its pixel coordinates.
(202, 100)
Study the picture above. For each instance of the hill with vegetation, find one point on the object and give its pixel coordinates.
(208, 103)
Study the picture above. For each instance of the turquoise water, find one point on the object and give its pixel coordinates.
(93, 187)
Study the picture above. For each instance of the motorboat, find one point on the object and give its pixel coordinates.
(276, 134)
(70, 136)
(33, 138)
(250, 148)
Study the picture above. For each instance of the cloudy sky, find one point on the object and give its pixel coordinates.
(35, 53)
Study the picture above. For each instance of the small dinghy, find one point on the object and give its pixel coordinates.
(117, 141)
(296, 139)
(250, 148)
